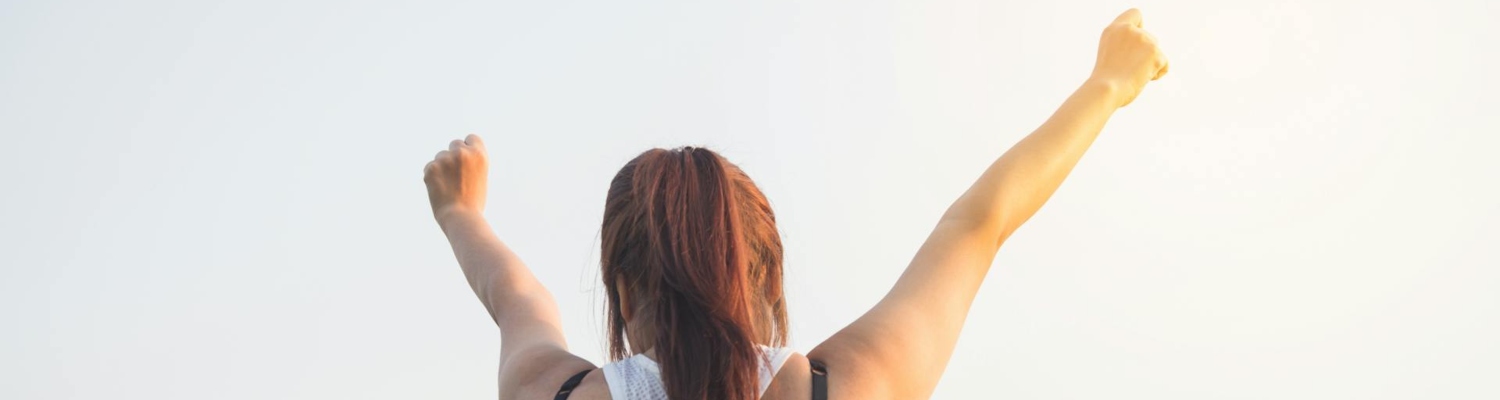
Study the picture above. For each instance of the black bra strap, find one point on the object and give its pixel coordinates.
(567, 387)
(819, 380)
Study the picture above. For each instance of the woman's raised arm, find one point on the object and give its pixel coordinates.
(899, 349)
(533, 352)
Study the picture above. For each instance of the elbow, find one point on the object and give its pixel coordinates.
(987, 224)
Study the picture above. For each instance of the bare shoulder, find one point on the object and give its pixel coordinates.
(592, 387)
(848, 378)
(538, 373)
(856, 368)
(793, 381)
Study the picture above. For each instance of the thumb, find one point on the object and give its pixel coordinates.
(1131, 17)
(475, 140)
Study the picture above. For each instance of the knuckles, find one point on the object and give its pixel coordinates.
(458, 152)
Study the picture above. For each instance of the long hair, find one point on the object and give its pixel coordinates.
(694, 243)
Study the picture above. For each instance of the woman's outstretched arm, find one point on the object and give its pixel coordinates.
(532, 347)
(900, 347)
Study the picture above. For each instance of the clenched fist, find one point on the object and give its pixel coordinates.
(1128, 57)
(457, 177)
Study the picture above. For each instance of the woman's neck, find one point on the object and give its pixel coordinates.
(641, 336)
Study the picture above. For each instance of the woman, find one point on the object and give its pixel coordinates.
(691, 260)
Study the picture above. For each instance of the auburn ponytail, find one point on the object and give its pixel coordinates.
(693, 244)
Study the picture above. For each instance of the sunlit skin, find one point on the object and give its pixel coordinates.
(896, 350)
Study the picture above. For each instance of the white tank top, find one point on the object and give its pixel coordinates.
(638, 378)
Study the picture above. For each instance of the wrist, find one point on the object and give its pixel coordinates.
(451, 215)
(1107, 89)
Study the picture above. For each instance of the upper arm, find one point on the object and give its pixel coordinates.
(900, 347)
(534, 357)
(533, 351)
(904, 342)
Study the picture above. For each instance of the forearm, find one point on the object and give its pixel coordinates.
(963, 245)
(901, 347)
(506, 287)
(925, 311)
(1016, 185)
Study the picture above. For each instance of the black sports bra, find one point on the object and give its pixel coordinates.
(819, 382)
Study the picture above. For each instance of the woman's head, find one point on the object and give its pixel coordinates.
(691, 260)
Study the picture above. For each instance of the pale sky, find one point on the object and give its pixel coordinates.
(223, 199)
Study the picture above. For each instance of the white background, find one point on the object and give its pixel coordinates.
(224, 199)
